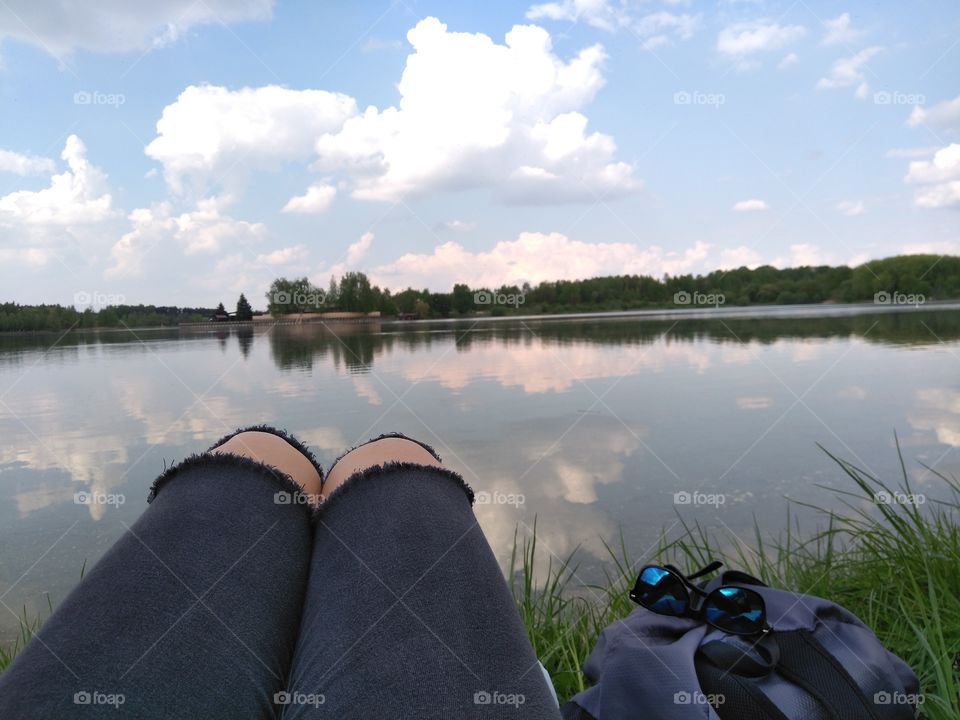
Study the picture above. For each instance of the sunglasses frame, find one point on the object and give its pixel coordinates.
(697, 612)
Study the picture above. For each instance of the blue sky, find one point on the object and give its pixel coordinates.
(185, 153)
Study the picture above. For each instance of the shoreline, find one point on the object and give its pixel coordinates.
(809, 310)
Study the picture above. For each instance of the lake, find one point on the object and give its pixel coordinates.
(591, 425)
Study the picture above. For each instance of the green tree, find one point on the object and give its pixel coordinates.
(333, 294)
(244, 311)
(462, 299)
(294, 296)
(420, 308)
(356, 295)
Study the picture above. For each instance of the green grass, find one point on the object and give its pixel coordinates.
(896, 566)
(28, 627)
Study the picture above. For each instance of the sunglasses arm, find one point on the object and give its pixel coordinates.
(686, 580)
(715, 565)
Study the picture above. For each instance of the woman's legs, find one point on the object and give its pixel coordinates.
(193, 613)
(407, 613)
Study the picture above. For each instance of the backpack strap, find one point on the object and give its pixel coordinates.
(742, 700)
(806, 662)
(731, 659)
(571, 711)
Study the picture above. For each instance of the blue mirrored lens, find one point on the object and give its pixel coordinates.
(735, 610)
(661, 591)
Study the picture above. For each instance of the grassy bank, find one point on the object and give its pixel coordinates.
(28, 626)
(896, 566)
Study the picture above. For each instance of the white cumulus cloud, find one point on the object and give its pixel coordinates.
(76, 196)
(788, 60)
(732, 258)
(20, 164)
(472, 113)
(945, 115)
(804, 254)
(654, 29)
(839, 31)
(358, 250)
(206, 229)
(211, 134)
(848, 71)
(761, 35)
(533, 257)
(939, 178)
(317, 199)
(660, 28)
(283, 256)
(601, 14)
(476, 113)
(851, 208)
(749, 205)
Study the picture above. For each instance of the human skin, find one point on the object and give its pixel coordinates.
(378, 452)
(274, 451)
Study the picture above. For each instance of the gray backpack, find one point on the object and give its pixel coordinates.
(819, 662)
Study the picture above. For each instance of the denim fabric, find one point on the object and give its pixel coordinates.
(407, 613)
(196, 612)
(193, 613)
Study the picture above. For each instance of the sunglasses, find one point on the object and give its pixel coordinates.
(665, 590)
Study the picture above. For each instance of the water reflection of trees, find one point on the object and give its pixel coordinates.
(356, 347)
(245, 340)
(351, 346)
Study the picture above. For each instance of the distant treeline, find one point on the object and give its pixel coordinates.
(904, 279)
(14, 317)
(901, 279)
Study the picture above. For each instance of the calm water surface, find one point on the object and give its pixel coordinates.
(589, 425)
